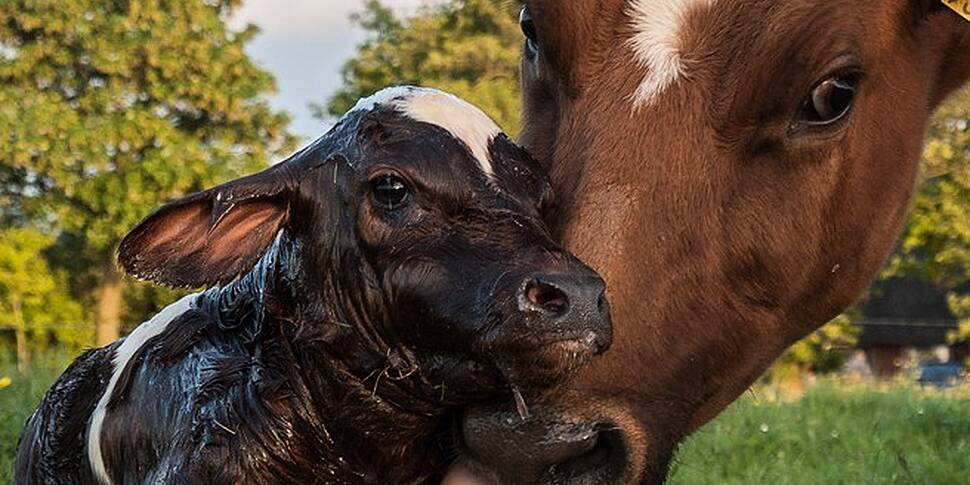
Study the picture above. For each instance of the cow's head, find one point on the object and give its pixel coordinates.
(421, 254)
(737, 170)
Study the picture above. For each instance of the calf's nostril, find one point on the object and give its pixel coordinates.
(546, 297)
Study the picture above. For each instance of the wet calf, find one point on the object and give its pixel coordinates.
(392, 270)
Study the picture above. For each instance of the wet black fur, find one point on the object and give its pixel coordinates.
(337, 356)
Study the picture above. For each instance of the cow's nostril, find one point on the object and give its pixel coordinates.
(546, 297)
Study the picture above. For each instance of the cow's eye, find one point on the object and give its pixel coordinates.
(829, 101)
(529, 30)
(389, 192)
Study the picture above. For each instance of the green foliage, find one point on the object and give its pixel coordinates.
(468, 47)
(145, 299)
(821, 352)
(960, 305)
(834, 434)
(936, 242)
(109, 109)
(34, 298)
(20, 393)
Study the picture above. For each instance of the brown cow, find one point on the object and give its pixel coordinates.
(737, 171)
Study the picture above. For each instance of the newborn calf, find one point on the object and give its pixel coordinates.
(391, 271)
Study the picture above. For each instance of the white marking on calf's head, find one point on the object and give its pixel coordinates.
(384, 97)
(463, 120)
(123, 355)
(656, 44)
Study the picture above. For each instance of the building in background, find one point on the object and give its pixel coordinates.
(906, 321)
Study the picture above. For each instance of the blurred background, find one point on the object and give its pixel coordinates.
(109, 108)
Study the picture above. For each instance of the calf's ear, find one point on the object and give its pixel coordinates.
(211, 237)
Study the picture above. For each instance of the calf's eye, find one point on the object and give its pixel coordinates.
(389, 192)
(829, 101)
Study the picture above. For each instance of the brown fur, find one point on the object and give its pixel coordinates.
(723, 235)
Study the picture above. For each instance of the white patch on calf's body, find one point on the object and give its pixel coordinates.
(656, 44)
(463, 120)
(122, 357)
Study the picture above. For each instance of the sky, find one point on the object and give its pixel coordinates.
(304, 43)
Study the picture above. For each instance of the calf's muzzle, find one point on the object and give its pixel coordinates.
(570, 306)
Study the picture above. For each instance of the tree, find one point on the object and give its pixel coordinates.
(108, 109)
(936, 242)
(34, 300)
(469, 48)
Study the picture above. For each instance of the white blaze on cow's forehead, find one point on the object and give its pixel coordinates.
(463, 120)
(123, 354)
(656, 44)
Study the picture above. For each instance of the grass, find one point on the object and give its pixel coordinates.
(17, 403)
(835, 434)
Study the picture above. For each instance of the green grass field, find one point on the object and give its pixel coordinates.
(17, 402)
(835, 434)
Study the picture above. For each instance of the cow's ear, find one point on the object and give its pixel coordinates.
(943, 28)
(950, 36)
(211, 237)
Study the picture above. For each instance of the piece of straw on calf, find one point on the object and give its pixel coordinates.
(392, 271)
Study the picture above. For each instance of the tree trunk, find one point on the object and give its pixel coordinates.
(22, 356)
(20, 334)
(110, 293)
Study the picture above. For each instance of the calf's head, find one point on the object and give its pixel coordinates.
(412, 239)
(736, 170)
